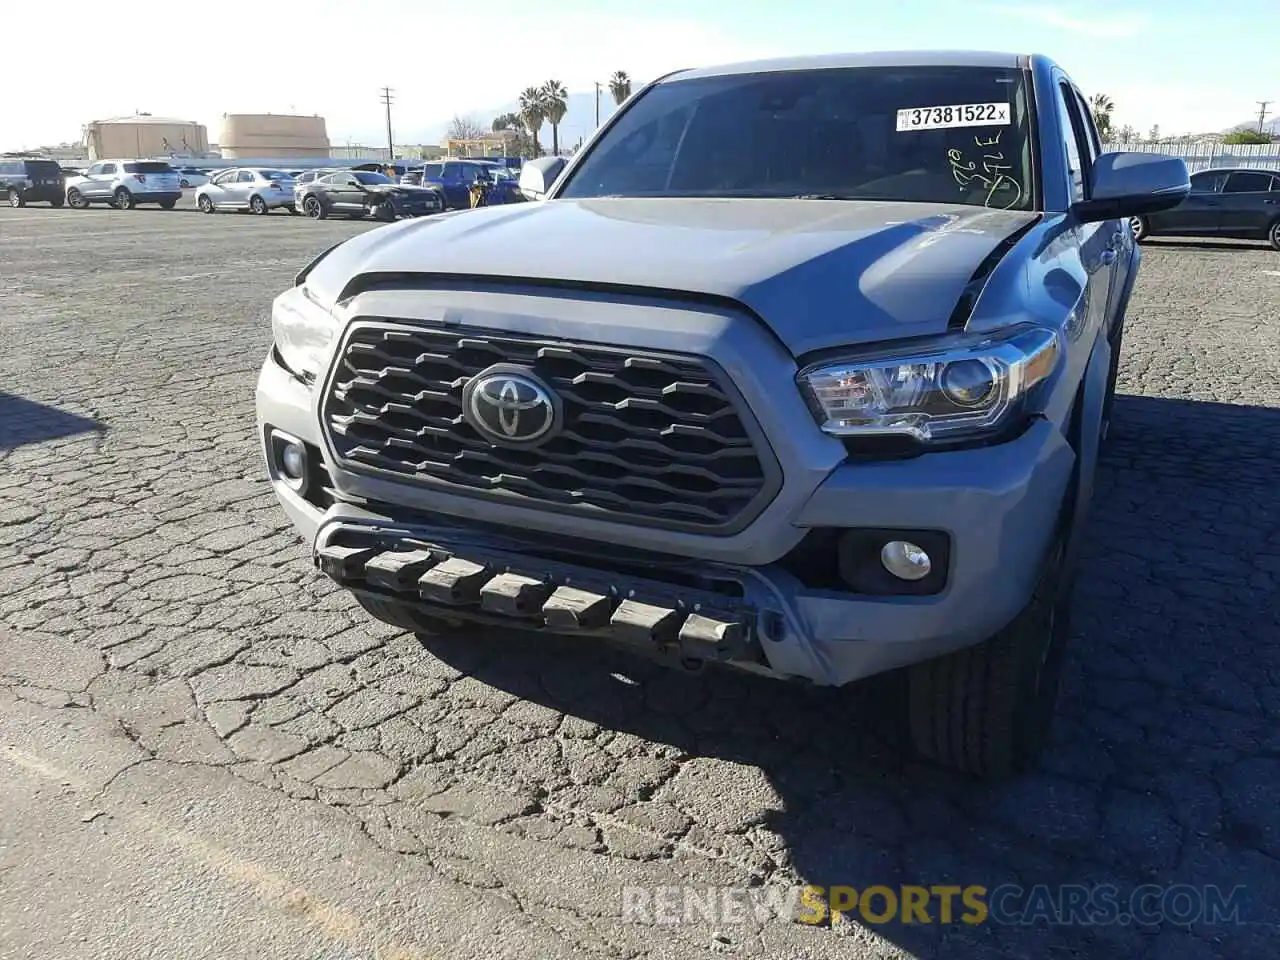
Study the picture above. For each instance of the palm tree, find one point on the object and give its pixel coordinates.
(620, 86)
(1102, 107)
(532, 113)
(555, 103)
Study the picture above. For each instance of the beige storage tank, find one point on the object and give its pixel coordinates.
(144, 136)
(272, 135)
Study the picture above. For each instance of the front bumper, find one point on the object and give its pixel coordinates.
(999, 505)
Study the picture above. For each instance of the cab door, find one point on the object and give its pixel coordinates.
(1249, 204)
(98, 180)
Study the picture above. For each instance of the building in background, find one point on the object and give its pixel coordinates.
(272, 135)
(143, 135)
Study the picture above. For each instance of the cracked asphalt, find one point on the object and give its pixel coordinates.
(207, 750)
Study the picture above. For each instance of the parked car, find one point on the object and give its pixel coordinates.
(124, 184)
(31, 180)
(192, 177)
(360, 193)
(256, 189)
(455, 177)
(303, 177)
(1233, 202)
(810, 383)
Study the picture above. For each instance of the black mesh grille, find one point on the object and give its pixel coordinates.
(645, 436)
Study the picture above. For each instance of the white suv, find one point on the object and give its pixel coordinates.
(126, 183)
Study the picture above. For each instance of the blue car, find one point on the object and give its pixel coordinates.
(455, 178)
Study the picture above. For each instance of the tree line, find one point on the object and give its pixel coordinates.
(541, 105)
(1103, 107)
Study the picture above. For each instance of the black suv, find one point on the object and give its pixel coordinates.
(31, 178)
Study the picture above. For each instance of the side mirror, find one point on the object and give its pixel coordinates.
(1132, 184)
(538, 176)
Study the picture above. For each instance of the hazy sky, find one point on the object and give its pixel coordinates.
(1187, 65)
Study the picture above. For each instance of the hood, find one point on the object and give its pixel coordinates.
(820, 273)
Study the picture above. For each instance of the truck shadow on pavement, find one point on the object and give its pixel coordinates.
(25, 421)
(1165, 763)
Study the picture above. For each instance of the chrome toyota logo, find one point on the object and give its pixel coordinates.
(509, 407)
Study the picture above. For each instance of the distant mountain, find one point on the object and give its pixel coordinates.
(1272, 126)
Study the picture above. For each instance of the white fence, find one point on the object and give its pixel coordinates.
(1202, 154)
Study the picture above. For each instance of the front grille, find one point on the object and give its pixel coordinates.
(648, 437)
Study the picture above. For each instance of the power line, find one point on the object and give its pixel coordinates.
(387, 96)
(1262, 112)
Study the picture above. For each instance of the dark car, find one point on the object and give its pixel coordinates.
(30, 180)
(1222, 203)
(358, 193)
(456, 177)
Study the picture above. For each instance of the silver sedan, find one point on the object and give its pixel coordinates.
(247, 188)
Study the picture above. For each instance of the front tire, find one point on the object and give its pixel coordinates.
(168, 204)
(314, 209)
(988, 709)
(1140, 228)
(124, 199)
(385, 211)
(205, 204)
(1273, 235)
(258, 206)
(16, 199)
(77, 199)
(57, 202)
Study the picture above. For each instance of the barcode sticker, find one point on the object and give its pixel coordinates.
(957, 115)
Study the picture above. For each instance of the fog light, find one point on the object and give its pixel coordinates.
(293, 460)
(905, 560)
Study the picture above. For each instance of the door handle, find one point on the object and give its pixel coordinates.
(1271, 201)
(1108, 256)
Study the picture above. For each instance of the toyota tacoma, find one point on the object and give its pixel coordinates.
(801, 367)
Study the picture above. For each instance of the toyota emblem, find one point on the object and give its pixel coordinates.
(509, 407)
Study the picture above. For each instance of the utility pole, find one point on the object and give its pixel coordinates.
(1262, 112)
(597, 103)
(387, 96)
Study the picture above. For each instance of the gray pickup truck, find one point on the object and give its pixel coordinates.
(801, 367)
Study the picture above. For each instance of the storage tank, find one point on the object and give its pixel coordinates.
(143, 135)
(272, 135)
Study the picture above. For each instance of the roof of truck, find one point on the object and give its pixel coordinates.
(884, 58)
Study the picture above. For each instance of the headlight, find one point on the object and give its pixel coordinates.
(302, 330)
(949, 389)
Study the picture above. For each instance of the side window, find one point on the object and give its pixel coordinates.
(1067, 130)
(431, 171)
(1208, 181)
(108, 169)
(1090, 128)
(6, 169)
(1248, 181)
(244, 176)
(1275, 184)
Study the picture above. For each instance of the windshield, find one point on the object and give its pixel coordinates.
(368, 177)
(928, 134)
(148, 166)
